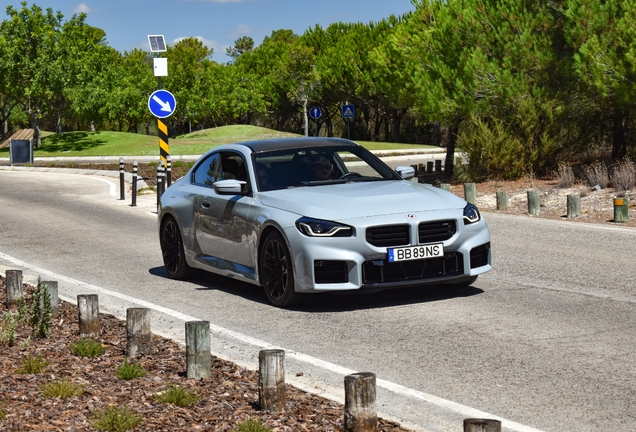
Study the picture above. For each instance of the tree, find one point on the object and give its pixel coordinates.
(603, 36)
(241, 46)
(31, 38)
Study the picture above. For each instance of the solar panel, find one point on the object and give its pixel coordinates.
(157, 43)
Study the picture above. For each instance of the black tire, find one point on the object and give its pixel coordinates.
(172, 250)
(277, 272)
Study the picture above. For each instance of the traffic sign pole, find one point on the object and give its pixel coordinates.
(164, 148)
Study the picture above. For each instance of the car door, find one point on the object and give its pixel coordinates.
(220, 221)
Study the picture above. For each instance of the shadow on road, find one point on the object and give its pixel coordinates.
(328, 302)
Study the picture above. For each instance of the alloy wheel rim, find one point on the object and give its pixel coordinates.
(275, 269)
(171, 247)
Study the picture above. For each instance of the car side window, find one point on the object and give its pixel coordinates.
(208, 171)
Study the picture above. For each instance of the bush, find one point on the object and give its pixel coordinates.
(130, 371)
(624, 175)
(32, 365)
(115, 419)
(566, 176)
(61, 389)
(9, 327)
(41, 314)
(87, 348)
(179, 396)
(596, 174)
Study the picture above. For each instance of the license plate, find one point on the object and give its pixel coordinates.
(416, 252)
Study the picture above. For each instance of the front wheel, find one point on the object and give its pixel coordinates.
(172, 250)
(277, 273)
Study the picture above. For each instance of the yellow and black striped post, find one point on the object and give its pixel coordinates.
(164, 148)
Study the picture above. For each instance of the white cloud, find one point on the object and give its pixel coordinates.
(206, 42)
(240, 30)
(82, 8)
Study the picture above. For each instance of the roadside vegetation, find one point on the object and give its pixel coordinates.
(523, 99)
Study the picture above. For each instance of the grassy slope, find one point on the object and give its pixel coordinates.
(127, 144)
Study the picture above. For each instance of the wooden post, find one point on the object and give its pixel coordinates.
(502, 200)
(420, 169)
(88, 309)
(534, 202)
(50, 287)
(198, 357)
(429, 167)
(470, 193)
(574, 205)
(139, 337)
(438, 165)
(271, 380)
(445, 186)
(359, 409)
(621, 209)
(13, 279)
(482, 425)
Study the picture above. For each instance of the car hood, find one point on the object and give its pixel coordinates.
(361, 199)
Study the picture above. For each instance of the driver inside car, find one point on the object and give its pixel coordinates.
(322, 169)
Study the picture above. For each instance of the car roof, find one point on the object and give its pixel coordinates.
(260, 146)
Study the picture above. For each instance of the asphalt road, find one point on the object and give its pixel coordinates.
(544, 342)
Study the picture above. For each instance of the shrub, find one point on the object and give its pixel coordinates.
(250, 425)
(624, 175)
(115, 419)
(41, 314)
(32, 365)
(3, 410)
(179, 396)
(596, 174)
(9, 328)
(565, 176)
(87, 348)
(61, 389)
(130, 371)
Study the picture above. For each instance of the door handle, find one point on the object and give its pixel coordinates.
(205, 204)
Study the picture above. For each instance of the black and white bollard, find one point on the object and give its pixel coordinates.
(168, 171)
(134, 184)
(159, 184)
(121, 179)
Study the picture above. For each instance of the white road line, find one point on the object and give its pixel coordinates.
(393, 387)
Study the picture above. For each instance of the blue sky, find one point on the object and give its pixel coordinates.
(217, 23)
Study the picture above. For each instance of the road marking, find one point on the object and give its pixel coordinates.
(463, 410)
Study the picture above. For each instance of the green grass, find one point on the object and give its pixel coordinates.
(250, 425)
(63, 389)
(32, 365)
(110, 143)
(87, 348)
(179, 396)
(115, 419)
(130, 371)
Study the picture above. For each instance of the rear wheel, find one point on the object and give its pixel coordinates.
(277, 273)
(172, 250)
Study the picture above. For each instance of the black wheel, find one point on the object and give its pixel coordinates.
(172, 250)
(277, 273)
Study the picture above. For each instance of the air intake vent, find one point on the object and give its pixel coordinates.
(430, 232)
(388, 235)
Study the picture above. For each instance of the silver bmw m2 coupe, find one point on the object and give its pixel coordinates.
(313, 215)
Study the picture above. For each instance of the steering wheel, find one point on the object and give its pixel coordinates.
(349, 175)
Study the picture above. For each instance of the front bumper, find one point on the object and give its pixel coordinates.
(351, 263)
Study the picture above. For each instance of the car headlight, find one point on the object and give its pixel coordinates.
(471, 214)
(322, 228)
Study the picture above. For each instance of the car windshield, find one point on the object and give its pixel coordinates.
(299, 167)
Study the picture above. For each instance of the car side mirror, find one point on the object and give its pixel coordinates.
(406, 172)
(230, 187)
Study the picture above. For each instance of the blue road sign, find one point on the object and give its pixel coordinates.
(162, 103)
(348, 111)
(315, 113)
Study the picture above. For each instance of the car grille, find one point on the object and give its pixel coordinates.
(388, 235)
(437, 231)
(382, 271)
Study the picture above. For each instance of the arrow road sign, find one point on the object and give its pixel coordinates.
(162, 103)
(315, 113)
(348, 111)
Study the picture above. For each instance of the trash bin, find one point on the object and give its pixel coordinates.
(21, 151)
